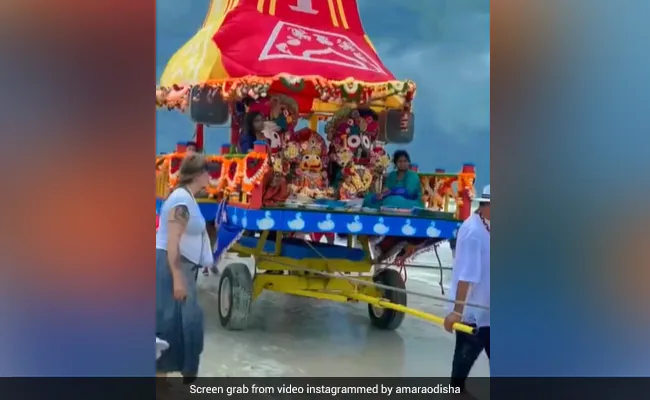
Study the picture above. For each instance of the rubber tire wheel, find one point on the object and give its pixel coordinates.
(240, 297)
(390, 319)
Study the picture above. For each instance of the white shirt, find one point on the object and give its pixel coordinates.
(194, 244)
(472, 264)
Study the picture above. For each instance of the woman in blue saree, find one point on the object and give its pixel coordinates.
(402, 188)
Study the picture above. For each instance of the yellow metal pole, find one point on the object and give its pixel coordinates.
(313, 123)
(406, 310)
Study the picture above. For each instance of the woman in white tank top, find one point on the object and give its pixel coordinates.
(182, 246)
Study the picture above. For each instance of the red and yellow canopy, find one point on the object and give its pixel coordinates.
(314, 50)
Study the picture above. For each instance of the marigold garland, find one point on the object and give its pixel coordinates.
(465, 183)
(250, 183)
(217, 184)
(234, 181)
(164, 163)
(331, 91)
(360, 179)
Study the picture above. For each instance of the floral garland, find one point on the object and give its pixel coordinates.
(176, 97)
(379, 159)
(291, 151)
(485, 224)
(250, 183)
(359, 179)
(249, 86)
(443, 188)
(406, 111)
(235, 180)
(284, 112)
(332, 125)
(295, 84)
(166, 165)
(465, 183)
(160, 160)
(337, 92)
(217, 185)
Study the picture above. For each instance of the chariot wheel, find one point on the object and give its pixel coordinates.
(385, 318)
(235, 296)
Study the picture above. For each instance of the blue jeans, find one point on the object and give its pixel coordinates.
(178, 323)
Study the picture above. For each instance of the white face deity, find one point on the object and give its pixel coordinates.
(270, 132)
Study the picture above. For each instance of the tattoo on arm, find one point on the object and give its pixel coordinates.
(181, 214)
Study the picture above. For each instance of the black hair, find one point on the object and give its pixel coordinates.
(399, 154)
(249, 122)
(191, 143)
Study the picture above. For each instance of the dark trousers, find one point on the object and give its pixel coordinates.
(468, 348)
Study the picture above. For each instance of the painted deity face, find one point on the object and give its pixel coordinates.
(270, 131)
(311, 162)
(356, 142)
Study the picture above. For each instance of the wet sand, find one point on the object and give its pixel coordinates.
(291, 336)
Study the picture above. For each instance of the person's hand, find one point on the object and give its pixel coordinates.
(382, 194)
(180, 291)
(451, 319)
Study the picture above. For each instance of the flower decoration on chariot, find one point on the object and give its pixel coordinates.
(357, 179)
(175, 161)
(344, 156)
(216, 170)
(284, 112)
(174, 97)
(291, 151)
(350, 127)
(309, 141)
(378, 156)
(372, 127)
(271, 132)
(281, 166)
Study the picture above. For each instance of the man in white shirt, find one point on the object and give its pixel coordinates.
(471, 285)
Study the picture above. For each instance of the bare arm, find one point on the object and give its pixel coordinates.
(461, 296)
(178, 218)
(468, 262)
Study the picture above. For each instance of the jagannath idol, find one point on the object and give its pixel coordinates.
(345, 168)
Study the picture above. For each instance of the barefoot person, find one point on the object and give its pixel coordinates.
(180, 250)
(471, 284)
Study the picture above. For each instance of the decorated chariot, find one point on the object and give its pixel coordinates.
(302, 65)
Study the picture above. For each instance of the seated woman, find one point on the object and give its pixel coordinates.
(402, 188)
(253, 126)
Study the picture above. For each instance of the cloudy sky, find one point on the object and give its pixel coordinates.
(443, 45)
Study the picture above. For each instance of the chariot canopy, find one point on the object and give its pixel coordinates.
(316, 51)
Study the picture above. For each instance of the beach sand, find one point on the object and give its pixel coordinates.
(291, 336)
